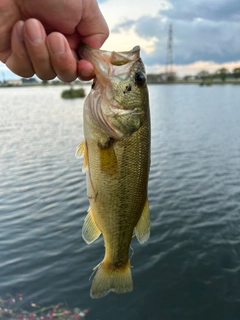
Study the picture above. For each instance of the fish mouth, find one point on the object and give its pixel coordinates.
(108, 114)
(109, 63)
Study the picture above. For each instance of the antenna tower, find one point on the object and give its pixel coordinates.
(169, 60)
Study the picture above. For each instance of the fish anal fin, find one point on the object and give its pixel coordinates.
(108, 159)
(82, 151)
(90, 231)
(142, 228)
(109, 279)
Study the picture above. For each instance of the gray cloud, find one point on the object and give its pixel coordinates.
(214, 10)
(202, 30)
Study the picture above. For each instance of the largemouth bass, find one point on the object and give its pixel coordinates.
(116, 150)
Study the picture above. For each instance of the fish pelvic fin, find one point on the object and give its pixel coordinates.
(82, 151)
(90, 231)
(142, 228)
(109, 279)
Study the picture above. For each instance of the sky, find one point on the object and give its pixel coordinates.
(205, 33)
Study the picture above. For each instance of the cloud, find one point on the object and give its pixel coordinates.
(119, 12)
(205, 40)
(214, 10)
(201, 32)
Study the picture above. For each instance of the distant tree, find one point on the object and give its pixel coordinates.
(155, 78)
(57, 82)
(45, 82)
(29, 80)
(222, 73)
(203, 75)
(171, 77)
(236, 73)
(187, 78)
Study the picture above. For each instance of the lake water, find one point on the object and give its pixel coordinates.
(190, 267)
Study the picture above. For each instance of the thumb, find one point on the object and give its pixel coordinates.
(92, 28)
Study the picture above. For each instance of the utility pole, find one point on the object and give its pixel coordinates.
(169, 59)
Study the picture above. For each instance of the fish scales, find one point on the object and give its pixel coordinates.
(116, 151)
(127, 197)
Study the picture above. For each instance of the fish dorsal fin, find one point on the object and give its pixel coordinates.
(108, 159)
(90, 231)
(82, 151)
(142, 228)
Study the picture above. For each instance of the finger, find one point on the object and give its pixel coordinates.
(85, 70)
(18, 60)
(35, 41)
(63, 59)
(93, 27)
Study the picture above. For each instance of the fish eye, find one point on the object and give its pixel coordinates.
(140, 78)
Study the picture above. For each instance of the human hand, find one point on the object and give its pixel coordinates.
(42, 37)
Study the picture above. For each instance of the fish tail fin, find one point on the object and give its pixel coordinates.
(106, 280)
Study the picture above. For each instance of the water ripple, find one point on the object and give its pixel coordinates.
(189, 268)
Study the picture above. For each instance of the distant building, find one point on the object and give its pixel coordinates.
(21, 82)
(15, 82)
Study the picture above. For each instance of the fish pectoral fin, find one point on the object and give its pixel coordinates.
(82, 151)
(108, 159)
(142, 228)
(90, 231)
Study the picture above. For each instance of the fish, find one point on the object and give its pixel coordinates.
(116, 159)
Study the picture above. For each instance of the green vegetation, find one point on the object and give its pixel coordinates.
(73, 93)
(221, 76)
(236, 73)
(222, 73)
(203, 78)
(162, 77)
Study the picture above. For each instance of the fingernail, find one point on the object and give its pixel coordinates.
(57, 45)
(34, 31)
(19, 30)
(87, 74)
